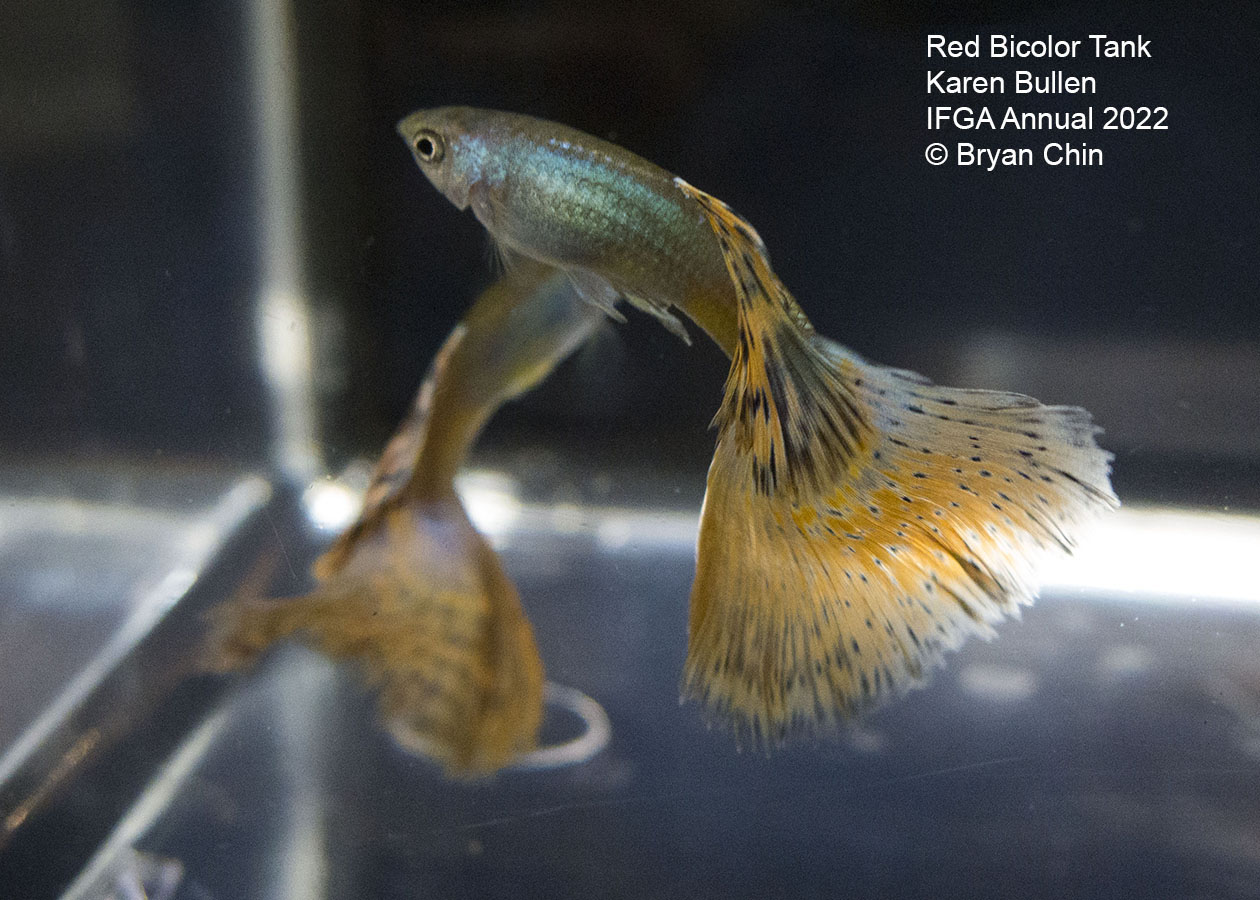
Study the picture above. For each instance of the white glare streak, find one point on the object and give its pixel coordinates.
(1167, 555)
(331, 505)
(284, 332)
(492, 501)
(283, 314)
(594, 737)
(1161, 554)
(581, 749)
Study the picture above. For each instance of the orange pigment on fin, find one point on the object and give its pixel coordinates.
(859, 520)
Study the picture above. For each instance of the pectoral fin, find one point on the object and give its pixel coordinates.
(600, 292)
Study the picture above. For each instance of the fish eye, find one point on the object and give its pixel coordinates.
(429, 146)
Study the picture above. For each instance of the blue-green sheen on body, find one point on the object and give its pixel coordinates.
(575, 201)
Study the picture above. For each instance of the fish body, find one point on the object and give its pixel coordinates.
(609, 218)
(859, 520)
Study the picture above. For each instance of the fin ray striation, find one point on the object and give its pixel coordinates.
(860, 521)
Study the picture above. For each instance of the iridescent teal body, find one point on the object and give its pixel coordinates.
(613, 221)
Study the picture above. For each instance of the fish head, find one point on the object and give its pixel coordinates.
(451, 146)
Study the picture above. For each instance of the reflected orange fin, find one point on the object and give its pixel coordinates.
(859, 521)
(410, 590)
(424, 608)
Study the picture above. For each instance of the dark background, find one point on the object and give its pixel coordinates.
(129, 223)
(132, 235)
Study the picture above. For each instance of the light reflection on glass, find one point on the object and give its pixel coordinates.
(1164, 554)
(1160, 553)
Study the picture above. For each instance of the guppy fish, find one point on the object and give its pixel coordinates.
(859, 521)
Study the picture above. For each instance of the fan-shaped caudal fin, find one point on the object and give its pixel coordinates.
(860, 520)
(411, 591)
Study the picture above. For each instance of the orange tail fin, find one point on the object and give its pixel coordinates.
(860, 520)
